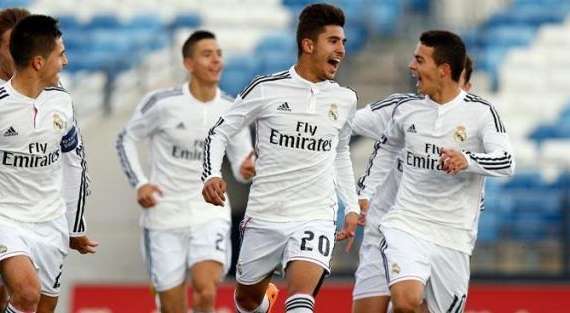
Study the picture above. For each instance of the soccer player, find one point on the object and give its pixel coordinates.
(181, 232)
(43, 170)
(371, 293)
(301, 117)
(450, 141)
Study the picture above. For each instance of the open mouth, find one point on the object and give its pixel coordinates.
(335, 62)
(418, 79)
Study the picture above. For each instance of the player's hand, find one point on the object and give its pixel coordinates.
(213, 191)
(83, 244)
(349, 230)
(147, 195)
(363, 203)
(452, 161)
(247, 167)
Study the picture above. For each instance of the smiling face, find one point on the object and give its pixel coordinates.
(205, 62)
(326, 52)
(53, 64)
(427, 73)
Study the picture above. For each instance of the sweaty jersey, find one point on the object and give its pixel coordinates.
(302, 150)
(176, 125)
(430, 203)
(42, 161)
(371, 122)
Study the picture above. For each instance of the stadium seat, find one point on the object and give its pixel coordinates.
(526, 180)
(187, 20)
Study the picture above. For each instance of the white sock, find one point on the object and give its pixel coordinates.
(300, 303)
(262, 308)
(390, 308)
(11, 309)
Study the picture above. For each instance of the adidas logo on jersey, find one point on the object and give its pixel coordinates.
(284, 107)
(181, 126)
(412, 129)
(10, 132)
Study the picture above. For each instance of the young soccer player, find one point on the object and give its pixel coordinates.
(301, 117)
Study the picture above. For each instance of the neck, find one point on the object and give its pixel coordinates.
(27, 84)
(203, 91)
(304, 69)
(446, 93)
(4, 75)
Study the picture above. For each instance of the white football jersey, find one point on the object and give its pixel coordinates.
(303, 158)
(371, 122)
(42, 161)
(176, 125)
(430, 203)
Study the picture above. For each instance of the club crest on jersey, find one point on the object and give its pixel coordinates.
(395, 268)
(333, 112)
(58, 123)
(460, 135)
(3, 249)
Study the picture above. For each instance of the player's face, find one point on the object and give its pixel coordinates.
(206, 63)
(423, 68)
(328, 52)
(54, 64)
(6, 62)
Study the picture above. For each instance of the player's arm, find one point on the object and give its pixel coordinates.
(244, 110)
(241, 156)
(497, 160)
(371, 120)
(381, 160)
(345, 187)
(142, 125)
(75, 188)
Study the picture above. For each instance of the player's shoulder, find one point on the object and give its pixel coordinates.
(159, 96)
(343, 90)
(394, 101)
(226, 98)
(57, 95)
(4, 94)
(472, 98)
(264, 80)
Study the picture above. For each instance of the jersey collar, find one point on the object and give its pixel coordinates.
(296, 76)
(186, 92)
(442, 108)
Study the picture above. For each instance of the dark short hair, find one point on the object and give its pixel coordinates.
(468, 68)
(33, 35)
(188, 46)
(313, 20)
(447, 48)
(9, 17)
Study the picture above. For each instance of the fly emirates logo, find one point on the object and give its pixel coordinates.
(304, 139)
(37, 157)
(430, 159)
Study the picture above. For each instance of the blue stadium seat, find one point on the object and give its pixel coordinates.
(145, 23)
(384, 16)
(488, 227)
(276, 61)
(103, 22)
(531, 226)
(15, 3)
(277, 42)
(526, 180)
(69, 23)
(188, 20)
(238, 72)
(507, 36)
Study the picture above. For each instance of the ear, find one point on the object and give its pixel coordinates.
(37, 62)
(445, 70)
(188, 64)
(308, 45)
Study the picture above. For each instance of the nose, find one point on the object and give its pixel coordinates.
(65, 60)
(412, 65)
(341, 48)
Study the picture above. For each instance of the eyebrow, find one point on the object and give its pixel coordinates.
(337, 38)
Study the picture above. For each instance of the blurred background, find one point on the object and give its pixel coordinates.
(119, 50)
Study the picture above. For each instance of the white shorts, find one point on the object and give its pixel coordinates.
(443, 271)
(370, 275)
(169, 253)
(46, 244)
(266, 245)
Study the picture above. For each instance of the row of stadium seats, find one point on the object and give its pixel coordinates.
(526, 207)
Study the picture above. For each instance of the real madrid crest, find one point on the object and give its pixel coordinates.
(460, 135)
(395, 268)
(58, 123)
(3, 249)
(333, 112)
